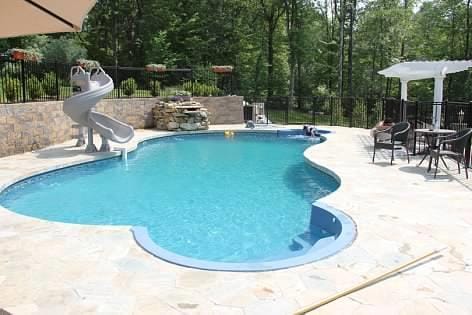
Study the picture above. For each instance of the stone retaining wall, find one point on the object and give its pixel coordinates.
(30, 126)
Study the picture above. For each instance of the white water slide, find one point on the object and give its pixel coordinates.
(94, 86)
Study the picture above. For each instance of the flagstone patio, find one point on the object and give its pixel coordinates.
(401, 213)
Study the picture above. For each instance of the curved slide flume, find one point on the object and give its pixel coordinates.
(79, 107)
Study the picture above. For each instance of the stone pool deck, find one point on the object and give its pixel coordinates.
(401, 212)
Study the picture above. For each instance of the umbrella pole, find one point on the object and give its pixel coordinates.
(365, 284)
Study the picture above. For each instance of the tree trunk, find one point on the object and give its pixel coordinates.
(352, 17)
(270, 61)
(290, 17)
(467, 32)
(341, 48)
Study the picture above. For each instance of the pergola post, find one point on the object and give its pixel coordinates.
(404, 89)
(403, 97)
(438, 98)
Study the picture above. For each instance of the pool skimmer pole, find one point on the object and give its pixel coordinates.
(366, 283)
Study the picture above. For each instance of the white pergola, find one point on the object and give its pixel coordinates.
(420, 70)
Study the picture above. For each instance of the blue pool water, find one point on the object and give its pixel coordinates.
(240, 199)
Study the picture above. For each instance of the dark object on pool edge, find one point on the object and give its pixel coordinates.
(310, 131)
(250, 124)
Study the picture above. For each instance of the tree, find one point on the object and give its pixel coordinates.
(271, 11)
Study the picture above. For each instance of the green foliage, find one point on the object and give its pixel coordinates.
(160, 49)
(201, 89)
(49, 83)
(155, 88)
(63, 49)
(183, 93)
(34, 88)
(12, 88)
(128, 86)
(272, 43)
(11, 71)
(359, 114)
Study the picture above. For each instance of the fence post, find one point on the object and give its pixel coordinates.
(384, 103)
(57, 80)
(351, 110)
(286, 109)
(266, 112)
(416, 127)
(446, 118)
(331, 110)
(313, 110)
(23, 80)
(367, 110)
(231, 83)
(468, 155)
(192, 82)
(116, 79)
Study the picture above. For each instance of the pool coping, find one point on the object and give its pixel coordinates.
(143, 240)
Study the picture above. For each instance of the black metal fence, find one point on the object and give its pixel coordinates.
(454, 115)
(28, 81)
(357, 112)
(316, 110)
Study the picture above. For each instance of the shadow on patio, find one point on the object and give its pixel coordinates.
(383, 157)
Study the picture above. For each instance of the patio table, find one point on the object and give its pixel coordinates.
(431, 136)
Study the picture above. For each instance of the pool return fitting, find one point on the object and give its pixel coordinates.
(368, 283)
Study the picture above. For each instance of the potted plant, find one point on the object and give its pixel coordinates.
(222, 69)
(155, 67)
(23, 54)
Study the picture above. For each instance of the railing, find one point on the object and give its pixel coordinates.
(454, 115)
(317, 110)
(29, 81)
(359, 112)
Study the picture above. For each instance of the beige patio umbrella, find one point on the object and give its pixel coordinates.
(28, 17)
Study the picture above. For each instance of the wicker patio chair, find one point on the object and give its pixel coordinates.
(398, 139)
(452, 146)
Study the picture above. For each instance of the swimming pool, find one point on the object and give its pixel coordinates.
(208, 201)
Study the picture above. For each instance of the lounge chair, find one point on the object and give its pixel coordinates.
(398, 139)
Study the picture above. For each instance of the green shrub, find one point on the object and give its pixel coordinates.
(12, 88)
(12, 70)
(155, 88)
(183, 93)
(49, 83)
(201, 89)
(128, 86)
(34, 87)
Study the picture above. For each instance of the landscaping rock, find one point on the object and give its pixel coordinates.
(186, 115)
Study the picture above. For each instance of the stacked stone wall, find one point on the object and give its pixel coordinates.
(30, 126)
(188, 115)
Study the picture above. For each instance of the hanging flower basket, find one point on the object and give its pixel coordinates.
(21, 54)
(222, 69)
(155, 68)
(87, 64)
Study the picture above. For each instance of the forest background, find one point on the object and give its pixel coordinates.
(277, 47)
